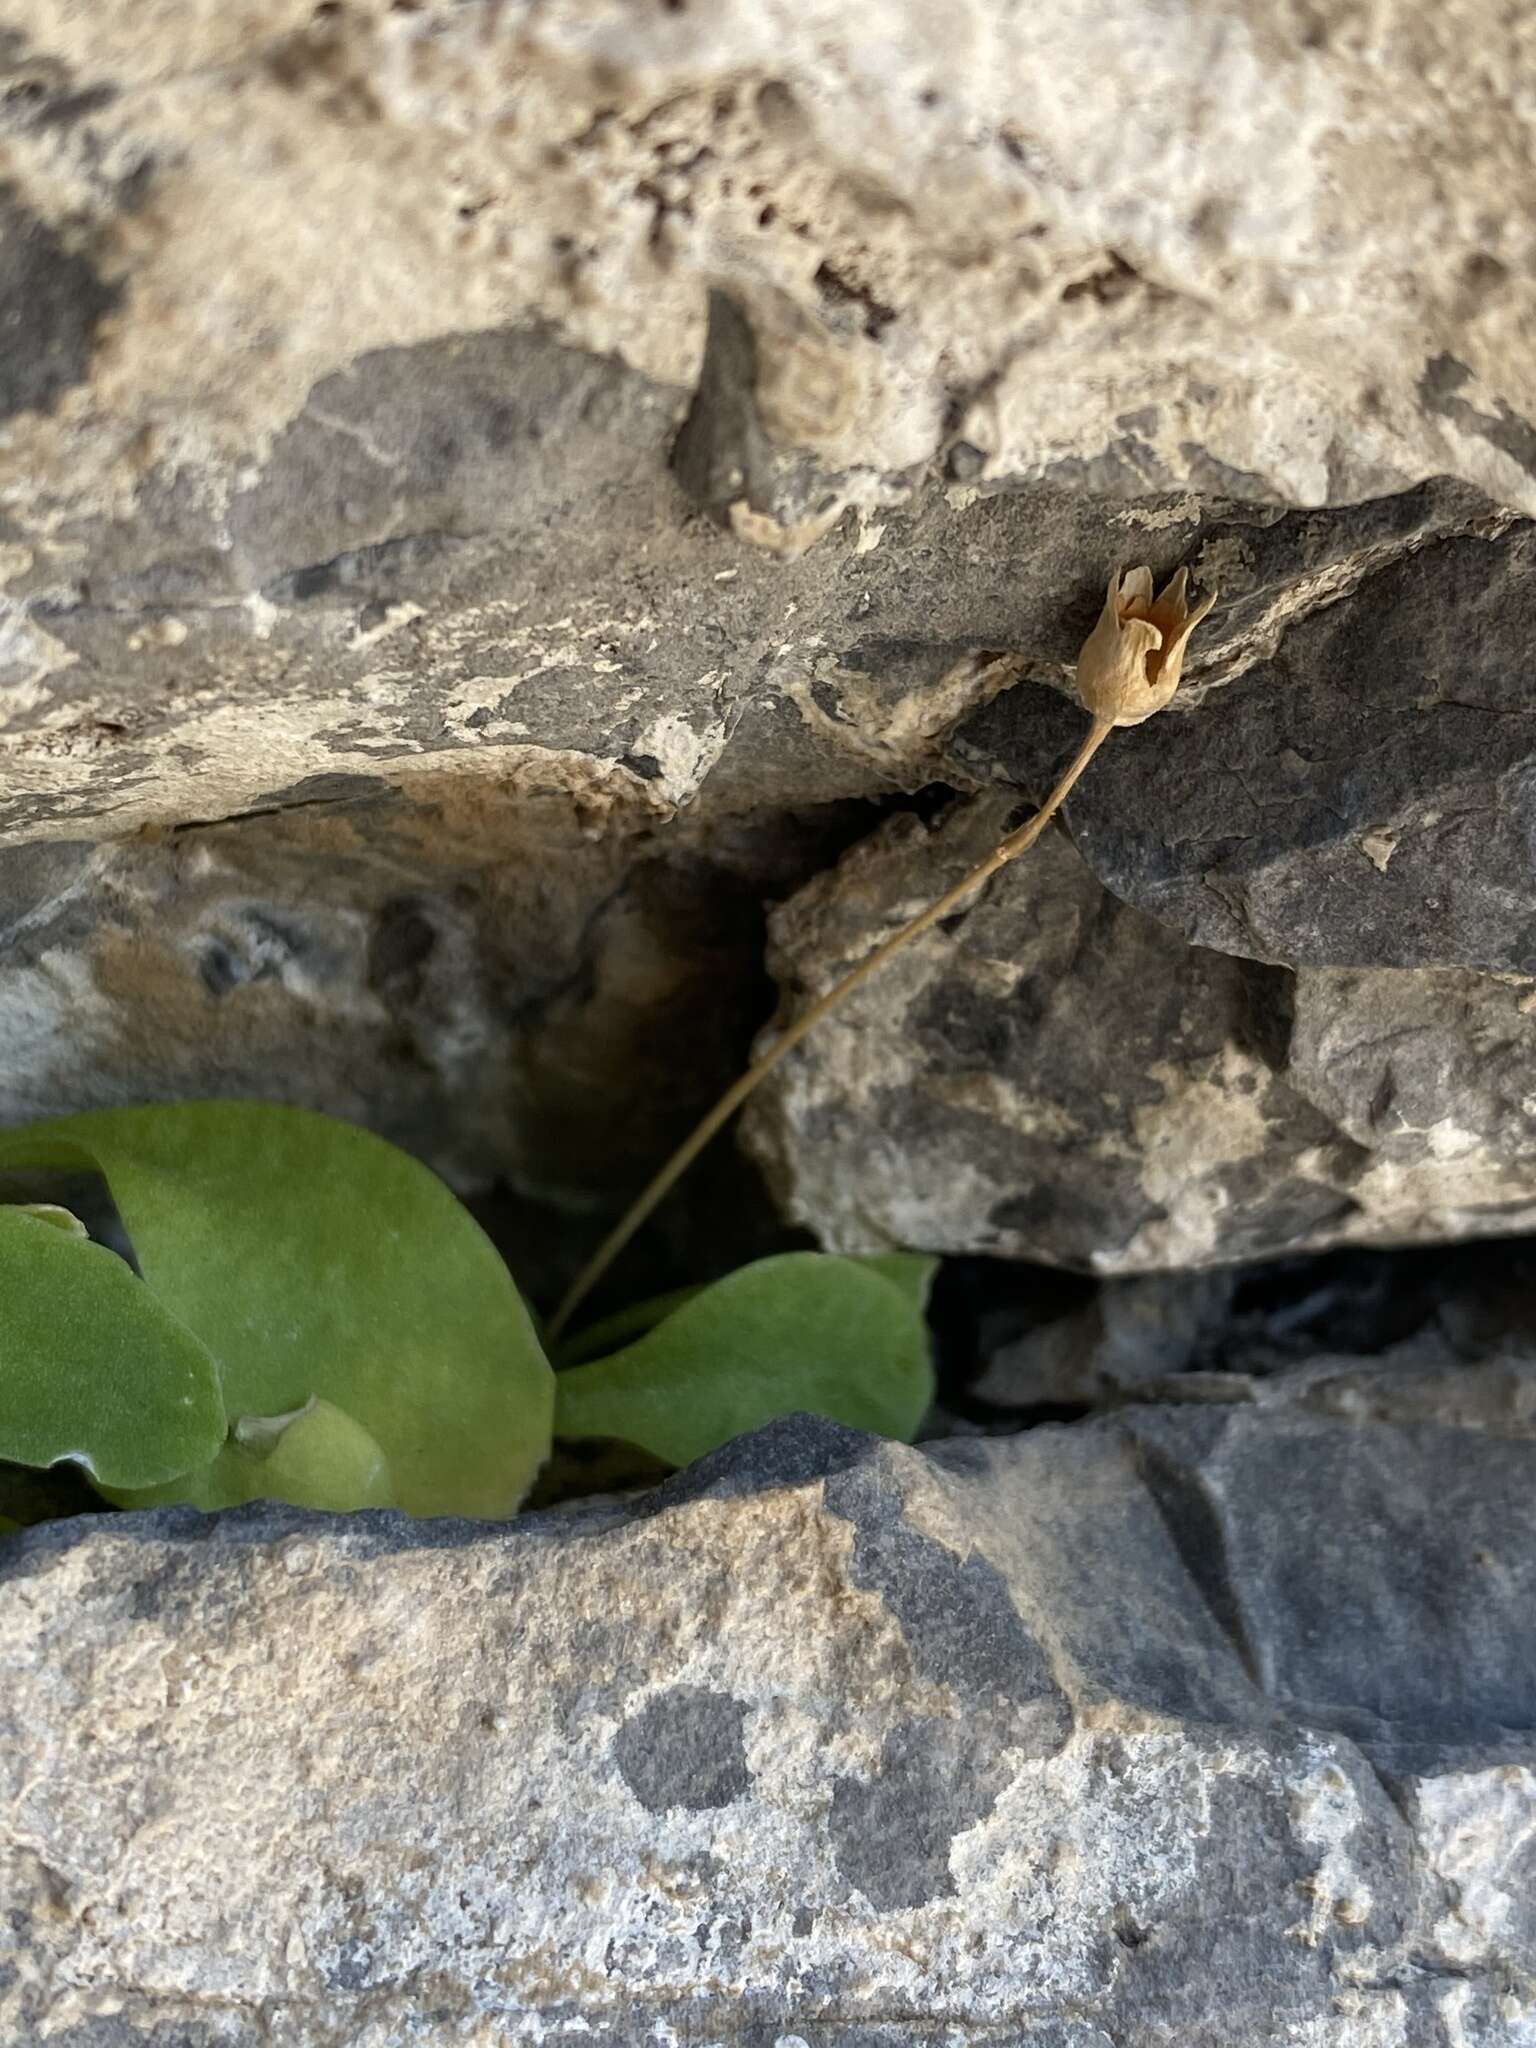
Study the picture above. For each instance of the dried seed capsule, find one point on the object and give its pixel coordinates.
(1131, 661)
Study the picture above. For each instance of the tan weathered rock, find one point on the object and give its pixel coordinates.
(1062, 1738)
(1287, 246)
(274, 279)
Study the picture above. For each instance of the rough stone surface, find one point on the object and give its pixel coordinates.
(504, 901)
(1054, 1075)
(1363, 795)
(1282, 249)
(1384, 1333)
(471, 558)
(491, 497)
(352, 344)
(432, 434)
(1151, 1327)
(476, 973)
(1061, 1740)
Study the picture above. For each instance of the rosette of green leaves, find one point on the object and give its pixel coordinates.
(309, 1315)
(314, 1317)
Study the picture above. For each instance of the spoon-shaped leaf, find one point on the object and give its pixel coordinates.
(315, 1260)
(804, 1332)
(93, 1367)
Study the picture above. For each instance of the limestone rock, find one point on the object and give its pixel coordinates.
(1282, 251)
(470, 559)
(349, 348)
(1026, 1343)
(504, 901)
(1054, 1075)
(1147, 1327)
(1061, 1739)
(479, 975)
(1359, 796)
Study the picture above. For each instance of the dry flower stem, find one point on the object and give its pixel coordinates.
(1008, 849)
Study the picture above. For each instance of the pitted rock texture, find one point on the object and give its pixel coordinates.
(452, 385)
(1364, 795)
(1286, 251)
(1059, 1740)
(1054, 1075)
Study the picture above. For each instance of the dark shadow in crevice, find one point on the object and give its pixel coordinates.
(1194, 1527)
(83, 1194)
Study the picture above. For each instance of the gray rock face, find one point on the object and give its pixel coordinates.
(1377, 1332)
(702, 427)
(479, 975)
(1054, 1075)
(471, 559)
(586, 282)
(487, 499)
(1361, 797)
(51, 302)
(1060, 1739)
(505, 902)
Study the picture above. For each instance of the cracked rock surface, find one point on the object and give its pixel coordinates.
(1361, 796)
(1053, 1074)
(478, 974)
(507, 512)
(1194, 1723)
(451, 385)
(525, 867)
(496, 488)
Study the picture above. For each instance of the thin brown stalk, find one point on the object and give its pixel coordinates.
(1008, 849)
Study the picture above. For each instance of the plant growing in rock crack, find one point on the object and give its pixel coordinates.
(310, 1315)
(305, 1313)
(1129, 668)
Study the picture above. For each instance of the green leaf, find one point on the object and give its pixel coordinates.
(93, 1367)
(912, 1272)
(803, 1332)
(318, 1458)
(314, 1458)
(8, 1527)
(60, 1217)
(315, 1260)
(597, 1340)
